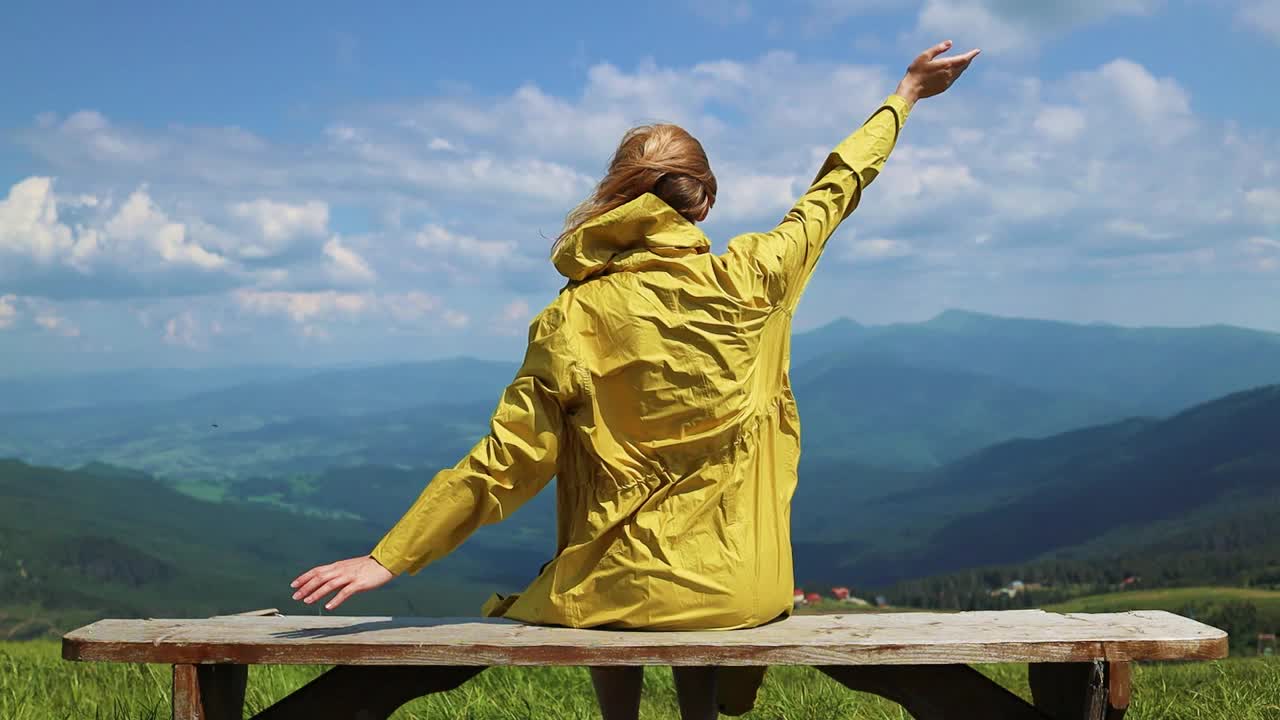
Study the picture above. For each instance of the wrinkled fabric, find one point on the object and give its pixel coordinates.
(655, 388)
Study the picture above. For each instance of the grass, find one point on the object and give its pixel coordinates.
(1242, 612)
(1171, 599)
(36, 684)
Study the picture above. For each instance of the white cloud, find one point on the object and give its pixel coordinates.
(277, 224)
(1262, 16)
(1156, 263)
(512, 317)
(1001, 26)
(1265, 203)
(457, 248)
(926, 174)
(745, 195)
(873, 249)
(514, 311)
(8, 311)
(1060, 123)
(723, 12)
(412, 306)
(1134, 229)
(51, 321)
(302, 307)
(1262, 254)
(347, 264)
(183, 330)
(101, 141)
(1064, 174)
(1150, 97)
(137, 235)
(311, 310)
(140, 220)
(29, 225)
(456, 318)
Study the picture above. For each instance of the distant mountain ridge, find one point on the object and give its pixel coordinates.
(905, 396)
(1142, 370)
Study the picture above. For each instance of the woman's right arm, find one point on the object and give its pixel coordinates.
(787, 256)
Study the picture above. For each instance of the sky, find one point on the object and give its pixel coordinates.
(209, 184)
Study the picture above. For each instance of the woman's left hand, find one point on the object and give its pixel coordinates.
(347, 577)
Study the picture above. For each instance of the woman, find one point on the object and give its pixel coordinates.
(655, 388)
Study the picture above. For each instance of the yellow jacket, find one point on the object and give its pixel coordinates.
(655, 387)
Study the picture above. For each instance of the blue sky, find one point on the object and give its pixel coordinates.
(230, 183)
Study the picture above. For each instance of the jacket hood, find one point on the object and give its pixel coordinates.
(647, 222)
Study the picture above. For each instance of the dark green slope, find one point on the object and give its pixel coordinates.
(1019, 501)
(107, 542)
(884, 411)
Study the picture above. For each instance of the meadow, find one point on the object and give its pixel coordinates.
(36, 684)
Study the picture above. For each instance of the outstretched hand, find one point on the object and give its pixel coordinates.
(347, 577)
(930, 75)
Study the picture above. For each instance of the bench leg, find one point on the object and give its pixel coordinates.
(366, 692)
(936, 692)
(209, 692)
(1081, 691)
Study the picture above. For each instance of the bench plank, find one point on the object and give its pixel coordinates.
(855, 639)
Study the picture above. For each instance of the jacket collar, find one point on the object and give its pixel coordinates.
(646, 223)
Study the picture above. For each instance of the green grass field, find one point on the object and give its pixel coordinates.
(36, 684)
(1172, 599)
(1242, 612)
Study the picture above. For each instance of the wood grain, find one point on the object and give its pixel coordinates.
(857, 639)
(1119, 684)
(186, 694)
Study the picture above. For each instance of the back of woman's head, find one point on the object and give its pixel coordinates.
(662, 159)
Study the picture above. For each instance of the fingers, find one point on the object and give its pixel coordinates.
(317, 577)
(342, 576)
(327, 588)
(304, 578)
(937, 50)
(342, 596)
(959, 60)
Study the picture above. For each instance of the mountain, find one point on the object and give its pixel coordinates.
(384, 414)
(908, 396)
(125, 388)
(1027, 499)
(1130, 371)
(102, 541)
(881, 410)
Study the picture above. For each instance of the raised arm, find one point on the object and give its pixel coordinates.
(786, 256)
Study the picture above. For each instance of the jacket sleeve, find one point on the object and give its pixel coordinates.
(786, 256)
(504, 470)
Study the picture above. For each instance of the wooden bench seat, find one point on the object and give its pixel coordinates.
(1078, 662)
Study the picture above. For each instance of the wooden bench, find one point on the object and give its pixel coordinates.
(1079, 663)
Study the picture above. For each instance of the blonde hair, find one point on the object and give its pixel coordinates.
(663, 159)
